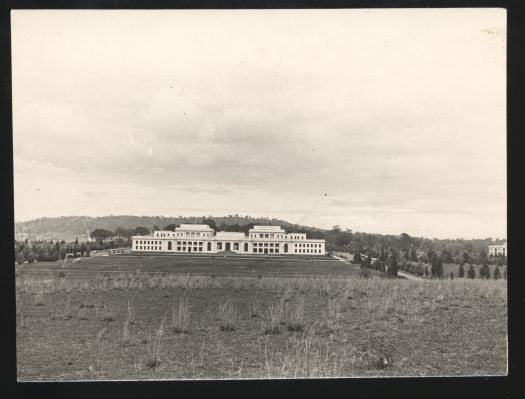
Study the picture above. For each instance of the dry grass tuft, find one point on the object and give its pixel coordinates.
(296, 315)
(180, 316)
(227, 316)
(273, 317)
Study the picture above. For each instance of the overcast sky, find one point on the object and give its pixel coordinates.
(385, 121)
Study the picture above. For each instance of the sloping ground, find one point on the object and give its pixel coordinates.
(195, 264)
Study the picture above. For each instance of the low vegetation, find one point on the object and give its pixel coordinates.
(133, 324)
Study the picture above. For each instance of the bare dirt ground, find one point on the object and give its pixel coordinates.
(141, 325)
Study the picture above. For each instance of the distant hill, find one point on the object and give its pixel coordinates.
(70, 226)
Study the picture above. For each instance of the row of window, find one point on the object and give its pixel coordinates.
(149, 242)
(185, 234)
(147, 247)
(308, 245)
(266, 250)
(307, 251)
(271, 235)
(199, 248)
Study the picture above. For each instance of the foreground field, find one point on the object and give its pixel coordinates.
(140, 325)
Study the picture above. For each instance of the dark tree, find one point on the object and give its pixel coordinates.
(485, 270)
(451, 275)
(496, 274)
(171, 227)
(21, 259)
(392, 264)
(211, 223)
(426, 271)
(461, 271)
(471, 272)
(141, 231)
(100, 234)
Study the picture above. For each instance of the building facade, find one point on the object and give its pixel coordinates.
(498, 250)
(201, 238)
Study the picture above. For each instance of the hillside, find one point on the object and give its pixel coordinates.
(79, 225)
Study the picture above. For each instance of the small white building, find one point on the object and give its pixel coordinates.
(201, 238)
(498, 250)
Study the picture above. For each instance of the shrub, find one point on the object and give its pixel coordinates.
(227, 316)
(461, 271)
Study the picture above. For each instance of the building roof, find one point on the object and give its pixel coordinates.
(229, 235)
(267, 229)
(194, 227)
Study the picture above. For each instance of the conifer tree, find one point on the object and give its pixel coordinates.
(461, 271)
(496, 275)
(451, 275)
(471, 273)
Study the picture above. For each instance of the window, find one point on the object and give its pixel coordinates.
(169, 245)
(236, 246)
(209, 246)
(254, 249)
(219, 246)
(261, 235)
(266, 236)
(265, 244)
(271, 250)
(271, 235)
(245, 247)
(276, 250)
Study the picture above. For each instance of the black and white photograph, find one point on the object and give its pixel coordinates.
(259, 194)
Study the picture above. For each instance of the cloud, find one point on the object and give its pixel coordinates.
(261, 115)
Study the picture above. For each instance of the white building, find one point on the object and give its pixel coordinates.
(498, 249)
(203, 239)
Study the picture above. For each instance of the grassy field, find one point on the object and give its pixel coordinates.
(96, 324)
(208, 265)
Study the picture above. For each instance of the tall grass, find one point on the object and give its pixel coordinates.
(180, 316)
(295, 312)
(227, 316)
(154, 347)
(273, 317)
(306, 358)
